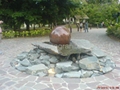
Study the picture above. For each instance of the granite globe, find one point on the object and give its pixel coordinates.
(60, 35)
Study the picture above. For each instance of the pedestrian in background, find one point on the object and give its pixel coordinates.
(86, 26)
(0, 30)
(81, 26)
(0, 33)
(102, 24)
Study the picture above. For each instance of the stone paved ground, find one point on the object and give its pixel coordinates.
(11, 79)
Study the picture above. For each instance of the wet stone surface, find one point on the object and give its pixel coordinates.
(81, 61)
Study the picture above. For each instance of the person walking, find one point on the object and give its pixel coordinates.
(81, 26)
(0, 34)
(102, 24)
(0, 30)
(86, 26)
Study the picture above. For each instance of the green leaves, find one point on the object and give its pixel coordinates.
(100, 12)
(31, 33)
(114, 30)
(16, 12)
(9, 34)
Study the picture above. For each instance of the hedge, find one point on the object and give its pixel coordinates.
(114, 30)
(31, 33)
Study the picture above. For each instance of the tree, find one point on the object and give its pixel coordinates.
(99, 1)
(99, 12)
(16, 12)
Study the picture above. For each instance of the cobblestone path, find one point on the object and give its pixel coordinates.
(11, 79)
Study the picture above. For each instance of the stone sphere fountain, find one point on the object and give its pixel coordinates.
(64, 57)
(60, 35)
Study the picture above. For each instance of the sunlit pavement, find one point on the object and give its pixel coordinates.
(11, 79)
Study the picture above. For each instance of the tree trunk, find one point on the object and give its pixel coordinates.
(34, 27)
(39, 25)
(43, 25)
(15, 28)
(55, 24)
(51, 26)
(27, 25)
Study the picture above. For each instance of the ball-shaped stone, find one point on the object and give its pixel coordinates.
(60, 35)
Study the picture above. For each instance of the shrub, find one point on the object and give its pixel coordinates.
(114, 30)
(31, 33)
(9, 34)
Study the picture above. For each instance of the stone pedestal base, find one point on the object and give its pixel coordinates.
(85, 60)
